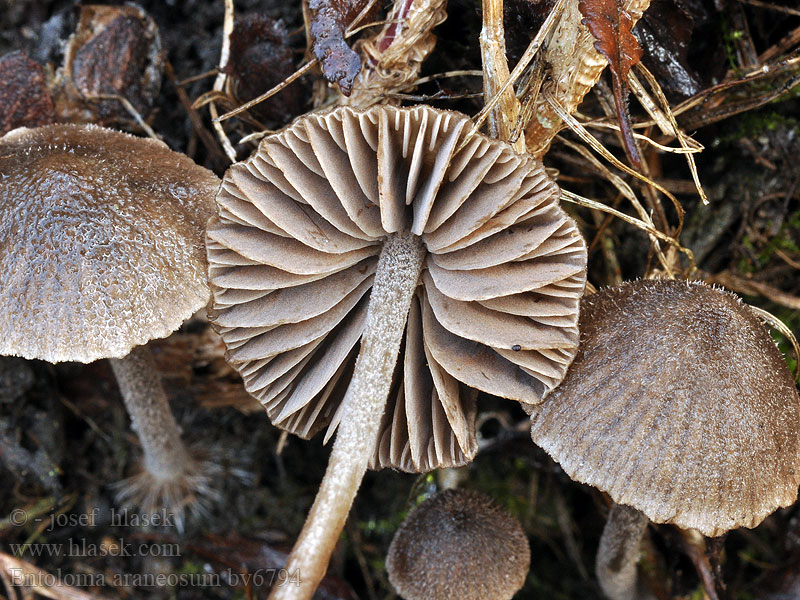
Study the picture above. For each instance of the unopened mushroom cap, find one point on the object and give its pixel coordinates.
(458, 544)
(678, 404)
(293, 253)
(101, 241)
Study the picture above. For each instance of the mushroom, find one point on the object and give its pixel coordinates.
(458, 544)
(447, 258)
(101, 250)
(678, 405)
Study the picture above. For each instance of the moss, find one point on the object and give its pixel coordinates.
(758, 122)
(786, 240)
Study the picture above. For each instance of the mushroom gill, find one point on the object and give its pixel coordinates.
(447, 256)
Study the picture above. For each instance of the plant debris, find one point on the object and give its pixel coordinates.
(330, 20)
(113, 61)
(611, 26)
(25, 100)
(261, 56)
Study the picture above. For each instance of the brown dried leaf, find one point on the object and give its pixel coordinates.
(611, 26)
(24, 98)
(114, 53)
(260, 58)
(329, 20)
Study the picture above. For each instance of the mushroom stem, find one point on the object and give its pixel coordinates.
(165, 456)
(397, 275)
(618, 554)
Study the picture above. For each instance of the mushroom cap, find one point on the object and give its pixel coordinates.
(458, 544)
(101, 241)
(678, 404)
(293, 253)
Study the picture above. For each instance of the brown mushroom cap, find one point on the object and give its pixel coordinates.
(458, 544)
(678, 404)
(101, 241)
(293, 254)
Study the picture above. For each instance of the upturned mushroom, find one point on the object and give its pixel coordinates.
(101, 250)
(680, 407)
(442, 263)
(458, 544)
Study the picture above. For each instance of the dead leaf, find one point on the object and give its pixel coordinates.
(611, 27)
(24, 98)
(329, 20)
(115, 53)
(260, 58)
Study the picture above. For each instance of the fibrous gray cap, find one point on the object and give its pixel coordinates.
(678, 404)
(293, 253)
(458, 544)
(101, 241)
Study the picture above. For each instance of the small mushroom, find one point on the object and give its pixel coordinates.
(442, 263)
(678, 405)
(458, 544)
(101, 250)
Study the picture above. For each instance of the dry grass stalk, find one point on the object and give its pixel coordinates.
(686, 142)
(644, 226)
(502, 117)
(219, 82)
(580, 130)
(575, 66)
(530, 52)
(29, 579)
(770, 81)
(392, 58)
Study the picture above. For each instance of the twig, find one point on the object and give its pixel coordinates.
(131, 111)
(270, 92)
(354, 28)
(524, 61)
(694, 545)
(302, 70)
(788, 41)
(711, 100)
(427, 78)
(184, 82)
(495, 74)
(581, 201)
(219, 82)
(203, 133)
(777, 7)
